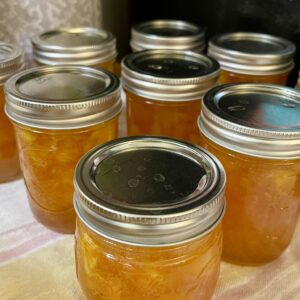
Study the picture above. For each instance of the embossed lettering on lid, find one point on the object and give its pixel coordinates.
(256, 119)
(169, 75)
(149, 191)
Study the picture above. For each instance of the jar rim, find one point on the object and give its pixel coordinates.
(169, 75)
(79, 45)
(252, 53)
(259, 120)
(11, 60)
(77, 97)
(149, 223)
(167, 34)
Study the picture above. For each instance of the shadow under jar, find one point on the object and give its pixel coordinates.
(163, 91)
(252, 57)
(59, 113)
(167, 34)
(85, 46)
(148, 220)
(254, 130)
(11, 62)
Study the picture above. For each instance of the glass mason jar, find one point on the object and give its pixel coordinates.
(11, 61)
(77, 46)
(252, 57)
(59, 113)
(167, 34)
(149, 210)
(164, 89)
(254, 130)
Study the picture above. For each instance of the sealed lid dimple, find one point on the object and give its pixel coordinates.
(143, 179)
(252, 53)
(83, 45)
(150, 181)
(62, 97)
(167, 34)
(262, 120)
(174, 65)
(168, 74)
(11, 60)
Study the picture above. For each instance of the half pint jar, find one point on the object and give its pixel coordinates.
(252, 57)
(167, 34)
(149, 212)
(59, 113)
(11, 62)
(164, 89)
(81, 46)
(254, 129)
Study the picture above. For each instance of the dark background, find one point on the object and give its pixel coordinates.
(277, 17)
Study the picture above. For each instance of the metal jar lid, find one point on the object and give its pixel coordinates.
(11, 61)
(252, 53)
(83, 46)
(167, 34)
(62, 97)
(149, 191)
(169, 75)
(259, 120)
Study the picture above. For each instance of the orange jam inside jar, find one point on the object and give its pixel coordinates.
(252, 57)
(11, 61)
(76, 46)
(148, 220)
(59, 113)
(167, 34)
(163, 91)
(254, 130)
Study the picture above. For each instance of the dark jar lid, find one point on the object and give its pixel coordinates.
(81, 46)
(62, 97)
(149, 191)
(261, 120)
(167, 34)
(252, 53)
(169, 75)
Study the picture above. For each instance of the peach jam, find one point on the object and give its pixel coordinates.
(11, 61)
(252, 57)
(254, 129)
(164, 89)
(167, 34)
(59, 113)
(148, 227)
(77, 46)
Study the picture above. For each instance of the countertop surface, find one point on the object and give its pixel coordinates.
(36, 263)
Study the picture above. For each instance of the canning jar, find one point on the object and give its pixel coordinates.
(254, 130)
(11, 61)
(164, 89)
(167, 34)
(148, 220)
(77, 46)
(252, 57)
(59, 113)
